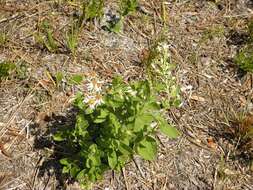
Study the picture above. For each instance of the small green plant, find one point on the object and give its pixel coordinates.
(72, 38)
(244, 59)
(211, 33)
(45, 37)
(111, 128)
(115, 26)
(92, 9)
(128, 6)
(6, 68)
(49, 42)
(22, 71)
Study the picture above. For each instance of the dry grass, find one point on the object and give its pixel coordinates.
(214, 92)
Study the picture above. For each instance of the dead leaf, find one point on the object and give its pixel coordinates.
(197, 98)
(46, 84)
(243, 100)
(211, 143)
(3, 151)
(4, 176)
(247, 124)
(229, 172)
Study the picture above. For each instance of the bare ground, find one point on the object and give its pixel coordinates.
(203, 38)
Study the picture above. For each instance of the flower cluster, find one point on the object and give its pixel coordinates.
(161, 73)
(94, 86)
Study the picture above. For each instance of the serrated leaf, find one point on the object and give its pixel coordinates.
(147, 148)
(112, 159)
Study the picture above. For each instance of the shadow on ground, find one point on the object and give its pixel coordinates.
(50, 166)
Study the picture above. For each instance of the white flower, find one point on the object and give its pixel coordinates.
(107, 188)
(153, 124)
(162, 47)
(94, 101)
(95, 85)
(159, 49)
(165, 46)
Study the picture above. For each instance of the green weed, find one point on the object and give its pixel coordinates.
(244, 58)
(6, 68)
(159, 70)
(211, 33)
(49, 41)
(92, 9)
(45, 37)
(128, 6)
(72, 38)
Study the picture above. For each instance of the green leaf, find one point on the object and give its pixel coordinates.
(125, 149)
(167, 129)
(128, 6)
(116, 27)
(81, 175)
(102, 116)
(118, 80)
(74, 171)
(65, 169)
(59, 136)
(93, 8)
(244, 59)
(59, 77)
(76, 79)
(147, 148)
(151, 106)
(5, 68)
(65, 161)
(115, 122)
(141, 121)
(79, 101)
(93, 158)
(81, 124)
(112, 159)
